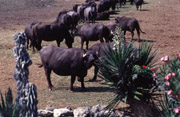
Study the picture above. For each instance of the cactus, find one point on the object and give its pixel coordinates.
(27, 92)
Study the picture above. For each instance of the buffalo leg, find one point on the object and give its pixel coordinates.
(27, 46)
(132, 35)
(48, 72)
(82, 83)
(82, 42)
(95, 73)
(58, 43)
(87, 43)
(137, 7)
(138, 32)
(124, 35)
(73, 77)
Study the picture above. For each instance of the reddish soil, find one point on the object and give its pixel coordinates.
(160, 19)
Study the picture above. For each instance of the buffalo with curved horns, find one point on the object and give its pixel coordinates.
(67, 61)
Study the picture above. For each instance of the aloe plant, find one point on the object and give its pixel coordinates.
(7, 108)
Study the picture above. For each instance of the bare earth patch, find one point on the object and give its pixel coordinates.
(160, 19)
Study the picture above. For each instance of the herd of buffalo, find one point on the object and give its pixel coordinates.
(76, 61)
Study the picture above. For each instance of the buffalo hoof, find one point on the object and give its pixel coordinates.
(51, 88)
(71, 90)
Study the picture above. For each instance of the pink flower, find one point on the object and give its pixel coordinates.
(169, 92)
(165, 59)
(162, 59)
(173, 74)
(179, 56)
(154, 75)
(167, 83)
(169, 75)
(166, 77)
(176, 110)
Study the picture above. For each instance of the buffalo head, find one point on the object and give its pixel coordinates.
(89, 58)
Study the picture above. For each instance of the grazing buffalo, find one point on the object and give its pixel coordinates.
(67, 61)
(80, 11)
(75, 19)
(93, 32)
(131, 2)
(121, 2)
(51, 32)
(90, 13)
(103, 6)
(103, 16)
(64, 18)
(29, 33)
(112, 28)
(138, 3)
(129, 24)
(101, 49)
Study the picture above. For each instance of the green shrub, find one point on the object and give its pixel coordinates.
(7, 108)
(169, 83)
(129, 70)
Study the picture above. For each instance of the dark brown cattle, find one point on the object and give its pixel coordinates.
(51, 32)
(67, 61)
(129, 24)
(103, 16)
(101, 49)
(29, 33)
(65, 18)
(138, 3)
(93, 32)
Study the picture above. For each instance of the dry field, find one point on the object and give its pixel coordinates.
(160, 19)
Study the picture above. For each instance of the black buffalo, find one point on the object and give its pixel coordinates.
(29, 33)
(101, 49)
(103, 16)
(103, 6)
(121, 2)
(129, 24)
(90, 13)
(51, 32)
(75, 19)
(93, 32)
(138, 3)
(64, 18)
(67, 61)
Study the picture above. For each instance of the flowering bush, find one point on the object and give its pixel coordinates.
(169, 82)
(129, 70)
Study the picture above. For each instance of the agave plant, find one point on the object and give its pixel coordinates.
(7, 108)
(129, 70)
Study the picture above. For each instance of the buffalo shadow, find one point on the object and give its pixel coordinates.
(143, 40)
(94, 89)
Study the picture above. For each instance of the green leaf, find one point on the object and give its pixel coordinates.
(137, 98)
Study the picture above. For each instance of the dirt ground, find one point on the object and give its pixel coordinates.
(160, 19)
